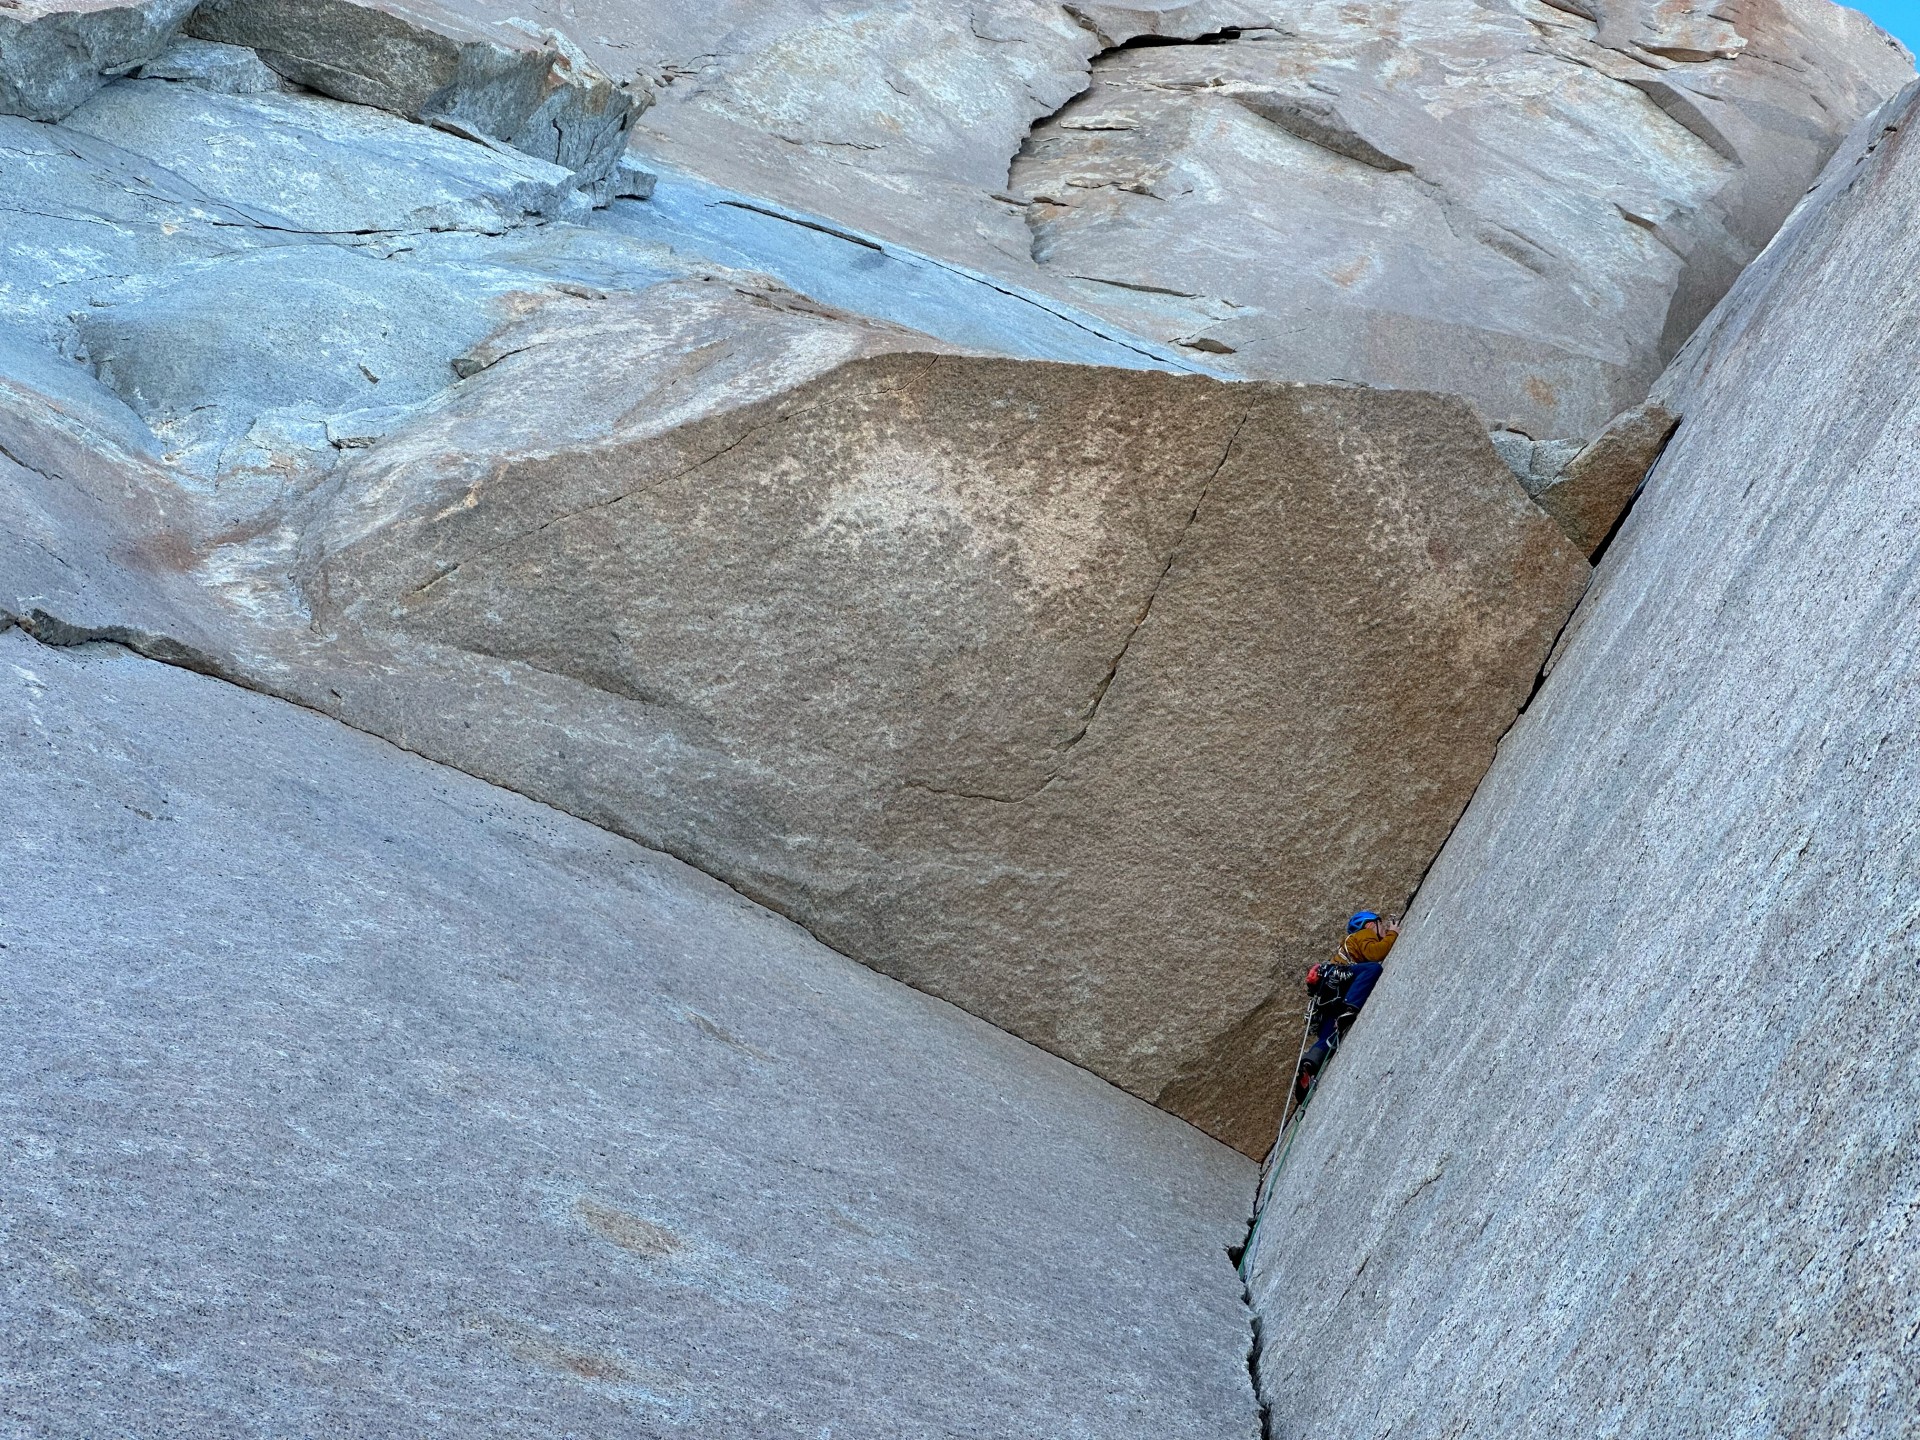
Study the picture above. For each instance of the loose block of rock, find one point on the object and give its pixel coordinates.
(303, 163)
(1086, 699)
(55, 53)
(1593, 492)
(507, 81)
(224, 69)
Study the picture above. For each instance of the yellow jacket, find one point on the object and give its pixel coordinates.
(1364, 945)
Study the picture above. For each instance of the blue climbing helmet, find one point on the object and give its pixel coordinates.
(1360, 917)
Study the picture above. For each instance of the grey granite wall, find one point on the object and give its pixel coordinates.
(1627, 1143)
(345, 1095)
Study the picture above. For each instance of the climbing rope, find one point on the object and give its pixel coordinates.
(1289, 1127)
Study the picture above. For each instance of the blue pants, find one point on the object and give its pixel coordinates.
(1366, 976)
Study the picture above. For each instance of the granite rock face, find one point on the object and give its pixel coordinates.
(244, 266)
(386, 368)
(914, 730)
(96, 535)
(318, 167)
(1528, 205)
(1029, 685)
(55, 53)
(856, 271)
(1531, 206)
(1590, 495)
(1626, 1140)
(349, 1095)
(225, 69)
(896, 118)
(509, 80)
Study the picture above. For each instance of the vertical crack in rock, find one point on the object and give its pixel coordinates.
(1239, 1256)
(1173, 555)
(1568, 628)
(1264, 1409)
(1105, 683)
(1025, 150)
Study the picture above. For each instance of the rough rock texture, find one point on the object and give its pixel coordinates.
(1508, 201)
(247, 268)
(338, 324)
(55, 53)
(348, 1095)
(274, 324)
(508, 80)
(1515, 202)
(1536, 464)
(1528, 204)
(855, 271)
(320, 167)
(1031, 685)
(94, 533)
(228, 69)
(898, 118)
(279, 329)
(1627, 1141)
(1590, 495)
(1083, 704)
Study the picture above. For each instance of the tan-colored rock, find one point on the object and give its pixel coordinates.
(495, 76)
(1087, 699)
(1593, 492)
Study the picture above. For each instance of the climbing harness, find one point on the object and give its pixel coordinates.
(1327, 984)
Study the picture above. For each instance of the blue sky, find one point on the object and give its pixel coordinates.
(1899, 18)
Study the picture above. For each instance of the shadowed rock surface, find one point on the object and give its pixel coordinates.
(854, 271)
(348, 1095)
(1626, 1141)
(55, 53)
(505, 79)
(94, 531)
(225, 69)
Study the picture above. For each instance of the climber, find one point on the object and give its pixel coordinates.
(1339, 987)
